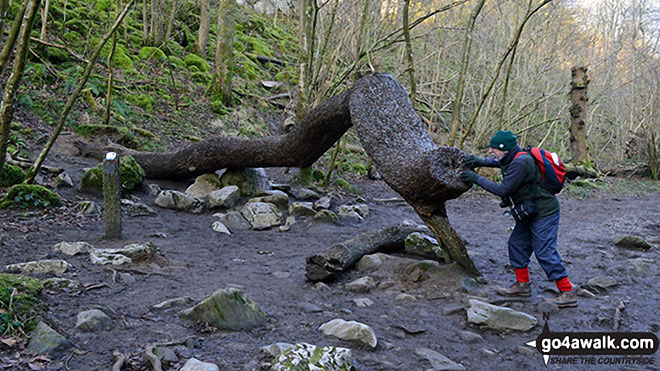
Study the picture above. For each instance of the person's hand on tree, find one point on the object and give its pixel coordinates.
(472, 161)
(469, 176)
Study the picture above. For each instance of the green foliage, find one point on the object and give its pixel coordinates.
(348, 187)
(177, 62)
(131, 176)
(318, 175)
(18, 296)
(218, 107)
(28, 196)
(151, 53)
(15, 126)
(358, 168)
(194, 60)
(57, 55)
(144, 101)
(121, 135)
(72, 37)
(10, 175)
(103, 5)
(200, 78)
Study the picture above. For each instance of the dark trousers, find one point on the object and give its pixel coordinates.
(538, 236)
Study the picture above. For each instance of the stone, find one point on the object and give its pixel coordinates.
(137, 208)
(73, 248)
(204, 185)
(423, 245)
(63, 180)
(165, 354)
(47, 266)
(131, 172)
(305, 356)
(305, 194)
(284, 228)
(193, 364)
(350, 330)
(251, 181)
(176, 200)
(361, 285)
(88, 207)
(468, 284)
(135, 251)
(101, 258)
(602, 282)
(361, 209)
(275, 197)
(226, 197)
(235, 221)
(639, 266)
(226, 309)
(451, 309)
(281, 275)
(45, 340)
(349, 217)
(93, 320)
(153, 189)
(276, 349)
(363, 302)
(405, 297)
(183, 301)
(631, 242)
(470, 337)
(261, 215)
(326, 216)
(301, 209)
(371, 262)
(499, 318)
(290, 220)
(323, 203)
(311, 308)
(547, 307)
(220, 228)
(438, 361)
(60, 283)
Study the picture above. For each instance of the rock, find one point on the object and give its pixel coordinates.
(632, 242)
(227, 309)
(251, 181)
(290, 220)
(363, 302)
(499, 318)
(323, 203)
(183, 301)
(153, 189)
(405, 297)
(585, 293)
(602, 282)
(546, 306)
(311, 308)
(468, 284)
(235, 221)
(451, 309)
(301, 209)
(47, 266)
(137, 208)
(640, 266)
(226, 197)
(194, 364)
(438, 361)
(305, 194)
(45, 340)
(63, 180)
(280, 187)
(101, 258)
(60, 283)
(176, 200)
(220, 228)
(261, 215)
(135, 251)
(361, 285)
(73, 248)
(470, 337)
(349, 217)
(88, 207)
(276, 349)
(93, 320)
(326, 216)
(204, 185)
(277, 198)
(350, 330)
(131, 172)
(281, 275)
(371, 262)
(310, 357)
(284, 228)
(165, 354)
(423, 245)
(361, 209)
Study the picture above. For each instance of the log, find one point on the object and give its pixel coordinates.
(342, 256)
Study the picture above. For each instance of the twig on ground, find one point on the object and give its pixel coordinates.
(120, 358)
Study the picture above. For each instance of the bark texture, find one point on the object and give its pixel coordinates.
(579, 83)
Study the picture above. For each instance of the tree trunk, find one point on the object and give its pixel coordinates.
(170, 22)
(44, 20)
(204, 26)
(224, 47)
(579, 82)
(4, 6)
(390, 131)
(305, 43)
(13, 34)
(344, 255)
(409, 51)
(14, 81)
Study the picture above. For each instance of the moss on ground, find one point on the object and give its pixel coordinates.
(10, 175)
(28, 196)
(194, 60)
(18, 296)
(131, 176)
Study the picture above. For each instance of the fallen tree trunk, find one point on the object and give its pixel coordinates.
(344, 255)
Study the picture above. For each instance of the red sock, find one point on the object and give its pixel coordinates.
(563, 284)
(522, 274)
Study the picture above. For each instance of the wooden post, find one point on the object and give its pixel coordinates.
(112, 196)
(579, 83)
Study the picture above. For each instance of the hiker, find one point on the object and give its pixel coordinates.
(535, 209)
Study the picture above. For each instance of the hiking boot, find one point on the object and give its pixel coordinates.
(517, 289)
(564, 299)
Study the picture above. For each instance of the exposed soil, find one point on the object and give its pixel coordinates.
(197, 261)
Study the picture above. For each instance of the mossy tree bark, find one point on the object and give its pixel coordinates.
(579, 83)
(11, 38)
(224, 47)
(204, 26)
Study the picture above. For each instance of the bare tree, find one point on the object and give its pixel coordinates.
(224, 47)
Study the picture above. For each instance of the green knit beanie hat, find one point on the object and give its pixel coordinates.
(503, 140)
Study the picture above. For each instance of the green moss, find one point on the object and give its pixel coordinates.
(151, 53)
(200, 77)
(359, 168)
(144, 101)
(18, 296)
(121, 135)
(16, 126)
(10, 175)
(318, 175)
(57, 55)
(177, 62)
(28, 196)
(131, 176)
(103, 5)
(197, 61)
(218, 107)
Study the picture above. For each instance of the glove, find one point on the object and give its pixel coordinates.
(468, 176)
(472, 161)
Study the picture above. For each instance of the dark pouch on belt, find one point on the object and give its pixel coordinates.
(524, 211)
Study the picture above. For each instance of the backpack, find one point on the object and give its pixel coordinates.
(553, 171)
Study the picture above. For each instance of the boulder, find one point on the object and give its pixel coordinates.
(275, 197)
(261, 215)
(305, 194)
(470, 337)
(47, 266)
(220, 228)
(234, 220)
(226, 197)
(350, 330)
(361, 209)
(363, 302)
(101, 258)
(131, 172)
(323, 203)
(194, 364)
(137, 208)
(632, 242)
(88, 207)
(135, 251)
(305, 356)
(276, 349)
(176, 200)
(326, 216)
(420, 244)
(438, 361)
(45, 340)
(60, 283)
(499, 318)
(227, 309)
(204, 185)
(63, 180)
(349, 216)
(93, 320)
(361, 285)
(602, 282)
(73, 248)
(301, 209)
(251, 181)
(371, 262)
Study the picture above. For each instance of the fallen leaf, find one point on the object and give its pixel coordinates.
(10, 342)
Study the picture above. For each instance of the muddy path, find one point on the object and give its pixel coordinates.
(269, 267)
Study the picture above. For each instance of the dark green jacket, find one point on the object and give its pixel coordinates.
(518, 178)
